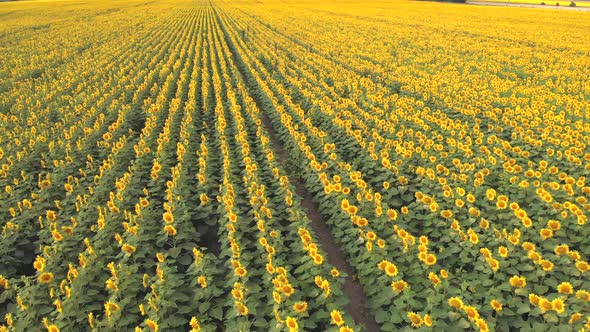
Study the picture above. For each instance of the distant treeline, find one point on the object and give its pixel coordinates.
(456, 1)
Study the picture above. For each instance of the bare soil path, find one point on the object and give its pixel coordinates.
(357, 307)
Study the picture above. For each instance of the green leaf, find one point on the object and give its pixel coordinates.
(381, 316)
(463, 323)
(523, 309)
(396, 318)
(541, 289)
(216, 312)
(203, 307)
(260, 322)
(388, 327)
(551, 318)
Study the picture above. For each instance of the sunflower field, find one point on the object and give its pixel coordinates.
(241, 165)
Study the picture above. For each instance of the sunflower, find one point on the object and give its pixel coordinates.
(362, 222)
(152, 325)
(430, 259)
(528, 246)
(292, 324)
(545, 304)
(554, 225)
(494, 264)
(240, 271)
(336, 318)
(583, 295)
(392, 214)
(242, 309)
(352, 210)
(399, 286)
(471, 312)
(565, 288)
(300, 307)
(277, 297)
(434, 279)
(204, 199)
(490, 194)
(344, 204)
(45, 278)
(558, 305)
(456, 302)
(575, 317)
(476, 213)
(39, 263)
(518, 281)
(111, 284)
(520, 214)
(326, 288)
(168, 217)
(335, 273)
(582, 266)
(513, 239)
(57, 235)
(503, 251)
(129, 249)
(51, 215)
(485, 252)
(194, 324)
(415, 319)
(143, 202)
(91, 320)
(52, 328)
(170, 230)
(546, 233)
(288, 290)
(238, 294)
(27, 204)
(561, 249)
(202, 280)
(160, 257)
(574, 255)
(496, 305)
(482, 325)
(391, 269)
(547, 265)
(501, 205)
(447, 214)
(318, 259)
(109, 307)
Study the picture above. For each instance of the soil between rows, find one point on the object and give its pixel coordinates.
(357, 305)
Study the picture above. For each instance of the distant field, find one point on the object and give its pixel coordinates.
(547, 3)
(293, 165)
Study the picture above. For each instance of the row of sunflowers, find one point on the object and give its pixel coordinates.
(162, 206)
(454, 214)
(143, 189)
